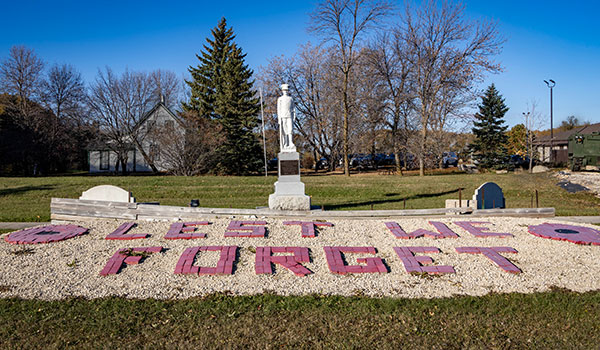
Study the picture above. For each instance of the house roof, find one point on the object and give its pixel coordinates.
(562, 137)
(100, 144)
(154, 109)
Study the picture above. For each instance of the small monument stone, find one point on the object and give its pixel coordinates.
(108, 193)
(289, 189)
(489, 196)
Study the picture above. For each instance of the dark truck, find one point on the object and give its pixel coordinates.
(584, 150)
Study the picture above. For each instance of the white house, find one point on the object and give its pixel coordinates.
(154, 123)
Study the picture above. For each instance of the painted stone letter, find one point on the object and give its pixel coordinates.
(46, 234)
(121, 233)
(264, 258)
(185, 230)
(444, 231)
(308, 227)
(127, 256)
(337, 265)
(492, 254)
(414, 264)
(185, 265)
(255, 228)
(471, 227)
(570, 233)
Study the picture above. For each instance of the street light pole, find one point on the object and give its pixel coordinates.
(528, 126)
(551, 83)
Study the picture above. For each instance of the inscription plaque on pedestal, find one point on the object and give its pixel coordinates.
(289, 167)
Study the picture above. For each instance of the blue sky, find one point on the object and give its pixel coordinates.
(545, 40)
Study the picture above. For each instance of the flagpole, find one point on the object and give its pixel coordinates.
(262, 117)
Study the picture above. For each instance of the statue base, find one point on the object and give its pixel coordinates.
(289, 190)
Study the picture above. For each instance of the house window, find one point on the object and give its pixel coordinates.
(104, 161)
(169, 125)
(154, 152)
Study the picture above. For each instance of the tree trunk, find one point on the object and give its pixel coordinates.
(149, 161)
(530, 159)
(422, 152)
(123, 167)
(395, 149)
(346, 112)
(332, 161)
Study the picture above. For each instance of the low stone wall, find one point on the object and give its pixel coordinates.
(65, 209)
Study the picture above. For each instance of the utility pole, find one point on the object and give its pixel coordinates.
(528, 127)
(551, 83)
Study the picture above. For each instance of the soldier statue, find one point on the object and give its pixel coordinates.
(286, 114)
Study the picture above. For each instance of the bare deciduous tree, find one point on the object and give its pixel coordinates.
(191, 150)
(371, 94)
(21, 75)
(312, 78)
(313, 83)
(63, 92)
(389, 58)
(118, 105)
(532, 119)
(345, 22)
(168, 85)
(447, 53)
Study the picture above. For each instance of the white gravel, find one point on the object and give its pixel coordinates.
(591, 180)
(71, 268)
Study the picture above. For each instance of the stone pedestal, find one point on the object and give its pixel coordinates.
(289, 190)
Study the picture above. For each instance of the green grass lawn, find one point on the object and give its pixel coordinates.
(552, 320)
(28, 199)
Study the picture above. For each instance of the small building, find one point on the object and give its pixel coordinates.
(556, 151)
(153, 126)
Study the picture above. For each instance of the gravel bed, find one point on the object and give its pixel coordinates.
(71, 268)
(590, 180)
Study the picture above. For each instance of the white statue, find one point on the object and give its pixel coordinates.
(286, 114)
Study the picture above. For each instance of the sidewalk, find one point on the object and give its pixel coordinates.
(581, 219)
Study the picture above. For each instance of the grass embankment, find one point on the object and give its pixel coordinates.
(556, 320)
(28, 199)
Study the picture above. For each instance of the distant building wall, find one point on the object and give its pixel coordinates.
(158, 120)
(106, 162)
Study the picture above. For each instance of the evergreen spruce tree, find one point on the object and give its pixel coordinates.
(489, 146)
(221, 90)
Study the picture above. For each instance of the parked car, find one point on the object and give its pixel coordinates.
(272, 164)
(382, 159)
(517, 161)
(322, 164)
(366, 162)
(449, 159)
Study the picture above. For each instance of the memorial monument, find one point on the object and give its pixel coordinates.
(289, 190)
